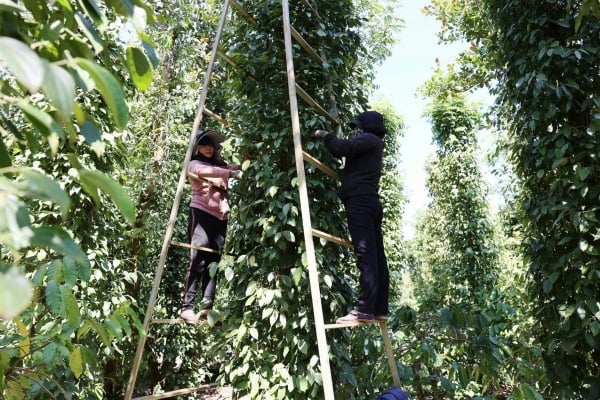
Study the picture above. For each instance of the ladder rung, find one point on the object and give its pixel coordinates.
(216, 117)
(320, 166)
(352, 324)
(168, 321)
(243, 11)
(311, 102)
(190, 246)
(225, 57)
(179, 392)
(331, 238)
(305, 45)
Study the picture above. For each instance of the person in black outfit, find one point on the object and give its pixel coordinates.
(360, 194)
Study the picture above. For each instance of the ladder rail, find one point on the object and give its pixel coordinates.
(304, 207)
(174, 210)
(389, 351)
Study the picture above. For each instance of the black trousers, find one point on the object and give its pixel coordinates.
(204, 230)
(365, 215)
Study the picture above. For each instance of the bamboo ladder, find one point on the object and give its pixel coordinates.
(300, 156)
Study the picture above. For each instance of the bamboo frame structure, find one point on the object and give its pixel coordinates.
(294, 91)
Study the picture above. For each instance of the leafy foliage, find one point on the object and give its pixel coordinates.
(460, 335)
(540, 54)
(554, 131)
(63, 110)
(463, 257)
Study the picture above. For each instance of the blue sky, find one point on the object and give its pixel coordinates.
(411, 64)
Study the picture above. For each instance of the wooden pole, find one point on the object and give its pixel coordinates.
(305, 210)
(390, 353)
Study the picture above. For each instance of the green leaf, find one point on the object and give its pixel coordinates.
(149, 46)
(139, 19)
(114, 329)
(58, 239)
(303, 347)
(289, 236)
(90, 32)
(447, 385)
(549, 282)
(250, 288)
(44, 123)
(584, 173)
(8, 5)
(15, 230)
(93, 137)
(59, 86)
(24, 63)
(121, 7)
(146, 6)
(90, 132)
(100, 330)
(530, 393)
(84, 271)
(71, 307)
(93, 11)
(139, 67)
(110, 89)
(76, 362)
(66, 5)
(229, 274)
(70, 272)
(123, 323)
(12, 128)
(136, 320)
(36, 185)
(94, 180)
(15, 293)
(297, 275)
(53, 297)
(253, 332)
(5, 160)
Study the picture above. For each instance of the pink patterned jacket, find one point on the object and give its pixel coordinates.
(209, 187)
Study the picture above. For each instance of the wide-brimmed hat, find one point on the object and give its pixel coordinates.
(204, 137)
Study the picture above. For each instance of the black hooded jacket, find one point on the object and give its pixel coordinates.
(364, 163)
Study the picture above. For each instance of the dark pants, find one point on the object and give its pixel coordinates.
(365, 215)
(204, 230)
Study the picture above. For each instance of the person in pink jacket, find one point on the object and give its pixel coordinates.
(207, 226)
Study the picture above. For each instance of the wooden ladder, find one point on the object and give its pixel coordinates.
(300, 156)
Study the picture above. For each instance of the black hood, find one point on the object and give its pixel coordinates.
(370, 121)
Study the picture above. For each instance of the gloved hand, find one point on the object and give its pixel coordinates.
(320, 133)
(235, 174)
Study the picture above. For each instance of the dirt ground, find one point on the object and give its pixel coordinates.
(219, 393)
